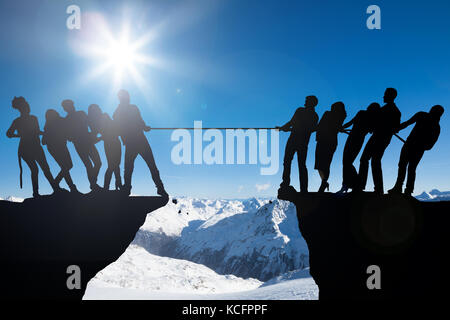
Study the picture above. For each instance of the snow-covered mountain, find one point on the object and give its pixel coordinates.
(262, 243)
(12, 199)
(251, 239)
(214, 249)
(434, 195)
(139, 269)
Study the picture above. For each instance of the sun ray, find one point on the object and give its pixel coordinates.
(119, 55)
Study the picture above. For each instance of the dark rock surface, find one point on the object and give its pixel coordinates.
(41, 238)
(408, 240)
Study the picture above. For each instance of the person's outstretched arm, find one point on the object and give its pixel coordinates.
(350, 123)
(288, 125)
(409, 122)
(139, 121)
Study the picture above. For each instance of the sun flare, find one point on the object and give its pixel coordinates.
(118, 55)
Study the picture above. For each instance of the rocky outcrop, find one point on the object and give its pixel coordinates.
(41, 238)
(406, 238)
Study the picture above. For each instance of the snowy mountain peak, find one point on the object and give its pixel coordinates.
(13, 199)
(248, 238)
(434, 195)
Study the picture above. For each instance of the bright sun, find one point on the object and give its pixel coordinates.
(119, 56)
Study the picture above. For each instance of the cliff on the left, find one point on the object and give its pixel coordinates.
(49, 243)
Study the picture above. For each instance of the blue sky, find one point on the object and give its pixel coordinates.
(229, 64)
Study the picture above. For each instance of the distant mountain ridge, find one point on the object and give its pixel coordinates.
(434, 195)
(12, 199)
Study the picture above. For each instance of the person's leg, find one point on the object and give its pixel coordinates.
(321, 174)
(83, 153)
(107, 180)
(59, 177)
(66, 166)
(34, 175)
(324, 175)
(97, 163)
(113, 154)
(117, 177)
(287, 161)
(130, 156)
(42, 161)
(377, 171)
(147, 154)
(364, 165)
(65, 162)
(54, 153)
(69, 181)
(353, 149)
(415, 158)
(302, 153)
(331, 149)
(401, 173)
(346, 166)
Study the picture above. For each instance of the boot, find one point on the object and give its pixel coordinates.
(162, 192)
(344, 189)
(408, 192)
(126, 190)
(395, 190)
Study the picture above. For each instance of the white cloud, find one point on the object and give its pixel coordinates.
(262, 187)
(240, 188)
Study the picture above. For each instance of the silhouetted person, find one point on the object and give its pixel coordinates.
(362, 124)
(101, 123)
(422, 137)
(302, 124)
(55, 137)
(326, 136)
(26, 127)
(387, 123)
(131, 127)
(84, 141)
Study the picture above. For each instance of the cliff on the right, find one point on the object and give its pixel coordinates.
(368, 246)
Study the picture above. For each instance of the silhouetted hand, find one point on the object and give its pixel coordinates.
(147, 128)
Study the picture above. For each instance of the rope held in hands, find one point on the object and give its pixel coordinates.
(395, 134)
(213, 128)
(345, 131)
